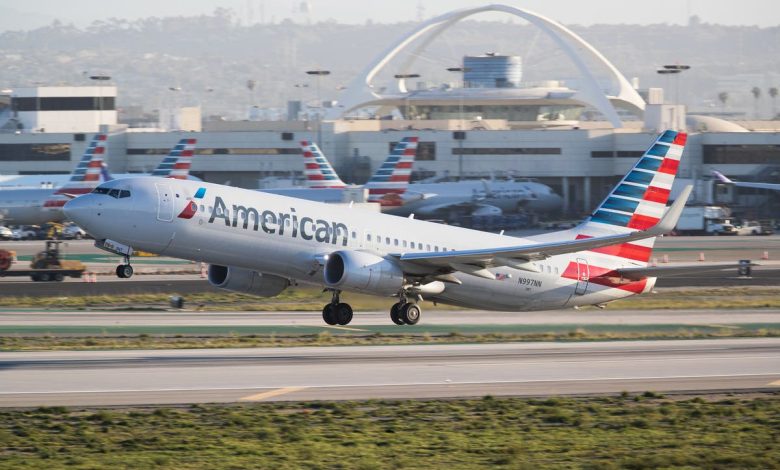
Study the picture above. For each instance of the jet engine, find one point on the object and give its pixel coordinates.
(361, 271)
(486, 210)
(246, 281)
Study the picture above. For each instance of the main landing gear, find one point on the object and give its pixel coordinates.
(337, 312)
(124, 271)
(405, 312)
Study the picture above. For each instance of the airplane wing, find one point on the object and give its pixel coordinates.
(435, 209)
(723, 179)
(475, 262)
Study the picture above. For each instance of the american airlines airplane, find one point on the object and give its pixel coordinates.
(35, 206)
(387, 186)
(433, 200)
(261, 243)
(723, 179)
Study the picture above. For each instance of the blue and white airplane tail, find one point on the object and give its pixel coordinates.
(85, 177)
(391, 180)
(319, 173)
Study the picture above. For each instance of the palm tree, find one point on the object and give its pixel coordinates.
(773, 94)
(723, 97)
(756, 91)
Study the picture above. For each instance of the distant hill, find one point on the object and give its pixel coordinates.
(211, 58)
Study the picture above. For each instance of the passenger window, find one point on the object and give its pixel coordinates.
(435, 248)
(411, 245)
(368, 237)
(387, 240)
(396, 242)
(202, 209)
(404, 243)
(429, 247)
(354, 235)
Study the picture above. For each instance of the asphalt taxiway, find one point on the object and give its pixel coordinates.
(98, 378)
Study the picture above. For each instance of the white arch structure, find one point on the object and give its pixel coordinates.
(360, 90)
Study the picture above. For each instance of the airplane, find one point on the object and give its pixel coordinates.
(261, 244)
(723, 179)
(30, 206)
(36, 206)
(434, 200)
(387, 186)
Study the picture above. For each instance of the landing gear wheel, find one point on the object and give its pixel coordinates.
(59, 277)
(395, 314)
(124, 271)
(329, 314)
(343, 313)
(410, 314)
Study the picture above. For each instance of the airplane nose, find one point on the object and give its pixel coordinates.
(77, 210)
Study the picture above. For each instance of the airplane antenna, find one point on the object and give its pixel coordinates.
(411, 216)
(351, 203)
(501, 233)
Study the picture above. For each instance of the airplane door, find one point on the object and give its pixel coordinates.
(583, 276)
(164, 202)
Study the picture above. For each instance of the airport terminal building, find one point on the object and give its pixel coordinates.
(578, 140)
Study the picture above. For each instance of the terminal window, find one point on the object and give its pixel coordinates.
(741, 154)
(25, 152)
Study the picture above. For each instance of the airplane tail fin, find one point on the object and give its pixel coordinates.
(391, 180)
(319, 173)
(87, 173)
(177, 164)
(638, 202)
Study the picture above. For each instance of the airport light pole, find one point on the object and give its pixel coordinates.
(318, 74)
(460, 135)
(676, 70)
(401, 77)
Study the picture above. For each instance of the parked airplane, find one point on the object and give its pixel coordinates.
(262, 243)
(35, 206)
(434, 200)
(31, 206)
(739, 184)
(387, 186)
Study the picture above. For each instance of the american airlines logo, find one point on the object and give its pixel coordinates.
(280, 223)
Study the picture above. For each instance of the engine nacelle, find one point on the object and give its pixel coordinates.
(364, 272)
(246, 281)
(486, 210)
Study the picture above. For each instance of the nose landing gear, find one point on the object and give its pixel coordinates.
(124, 271)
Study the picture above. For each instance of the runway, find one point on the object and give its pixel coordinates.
(337, 373)
(454, 318)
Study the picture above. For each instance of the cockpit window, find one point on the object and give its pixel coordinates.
(115, 193)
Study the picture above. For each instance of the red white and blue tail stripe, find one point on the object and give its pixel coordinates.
(391, 180)
(639, 201)
(178, 162)
(85, 177)
(319, 173)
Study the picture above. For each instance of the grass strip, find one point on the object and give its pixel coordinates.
(177, 337)
(305, 299)
(644, 431)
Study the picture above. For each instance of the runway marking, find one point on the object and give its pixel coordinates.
(343, 328)
(731, 327)
(271, 393)
(776, 383)
(392, 384)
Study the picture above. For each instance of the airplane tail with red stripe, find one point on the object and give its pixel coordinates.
(87, 174)
(639, 201)
(319, 173)
(178, 162)
(391, 180)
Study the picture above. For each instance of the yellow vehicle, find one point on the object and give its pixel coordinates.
(45, 266)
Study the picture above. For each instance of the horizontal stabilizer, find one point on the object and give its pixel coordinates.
(657, 271)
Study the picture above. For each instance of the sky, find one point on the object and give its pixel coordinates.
(31, 14)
